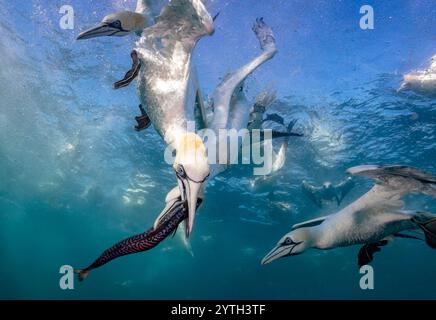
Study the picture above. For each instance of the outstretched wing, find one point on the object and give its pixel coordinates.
(392, 184)
(151, 8)
(381, 173)
(181, 21)
(342, 189)
(312, 193)
(398, 179)
(223, 93)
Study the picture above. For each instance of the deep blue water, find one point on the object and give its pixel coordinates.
(75, 177)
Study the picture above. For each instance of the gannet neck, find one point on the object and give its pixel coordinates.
(189, 147)
(174, 135)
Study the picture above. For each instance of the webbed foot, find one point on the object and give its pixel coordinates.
(131, 74)
(143, 120)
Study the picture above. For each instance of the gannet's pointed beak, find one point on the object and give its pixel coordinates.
(192, 170)
(277, 253)
(190, 191)
(103, 29)
(287, 246)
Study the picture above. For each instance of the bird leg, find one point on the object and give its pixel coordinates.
(143, 120)
(131, 74)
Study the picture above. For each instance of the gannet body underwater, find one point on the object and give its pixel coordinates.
(231, 109)
(176, 210)
(372, 220)
(128, 22)
(167, 84)
(328, 191)
(422, 81)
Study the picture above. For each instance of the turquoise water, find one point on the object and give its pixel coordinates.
(75, 177)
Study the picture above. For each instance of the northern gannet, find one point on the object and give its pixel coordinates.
(128, 22)
(123, 23)
(421, 81)
(231, 109)
(371, 221)
(328, 191)
(164, 88)
(258, 118)
(167, 83)
(176, 211)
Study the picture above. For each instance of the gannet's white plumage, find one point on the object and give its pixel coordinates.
(374, 217)
(421, 81)
(166, 92)
(229, 98)
(168, 84)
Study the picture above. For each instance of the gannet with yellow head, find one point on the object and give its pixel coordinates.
(167, 83)
(126, 22)
(192, 170)
(166, 92)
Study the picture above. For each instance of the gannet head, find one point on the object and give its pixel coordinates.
(117, 24)
(192, 170)
(292, 244)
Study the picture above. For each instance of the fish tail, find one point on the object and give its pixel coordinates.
(83, 274)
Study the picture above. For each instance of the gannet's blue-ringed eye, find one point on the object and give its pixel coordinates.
(288, 241)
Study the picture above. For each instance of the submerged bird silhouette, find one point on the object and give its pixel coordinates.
(328, 191)
(372, 221)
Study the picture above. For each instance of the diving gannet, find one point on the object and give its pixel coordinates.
(328, 191)
(176, 211)
(258, 118)
(128, 22)
(372, 220)
(165, 52)
(167, 83)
